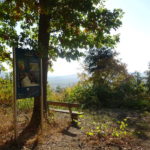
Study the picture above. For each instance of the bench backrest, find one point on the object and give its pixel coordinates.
(64, 104)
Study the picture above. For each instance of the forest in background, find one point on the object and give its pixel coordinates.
(105, 83)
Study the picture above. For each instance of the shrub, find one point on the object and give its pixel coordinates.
(5, 91)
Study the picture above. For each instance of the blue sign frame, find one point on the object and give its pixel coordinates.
(28, 73)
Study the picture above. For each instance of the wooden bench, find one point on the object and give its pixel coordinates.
(73, 114)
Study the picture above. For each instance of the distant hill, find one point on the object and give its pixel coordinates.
(62, 81)
(54, 81)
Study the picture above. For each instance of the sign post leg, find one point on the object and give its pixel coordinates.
(14, 95)
(41, 96)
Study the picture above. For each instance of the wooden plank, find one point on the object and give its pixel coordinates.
(66, 111)
(64, 104)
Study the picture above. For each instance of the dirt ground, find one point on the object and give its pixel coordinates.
(60, 134)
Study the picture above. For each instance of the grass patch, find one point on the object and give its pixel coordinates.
(25, 104)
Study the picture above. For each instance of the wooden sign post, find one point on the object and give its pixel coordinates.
(14, 95)
(27, 79)
(41, 96)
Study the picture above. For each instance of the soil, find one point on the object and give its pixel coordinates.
(60, 134)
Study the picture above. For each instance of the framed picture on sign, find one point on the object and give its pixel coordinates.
(27, 73)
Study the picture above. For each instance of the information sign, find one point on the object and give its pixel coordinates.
(28, 73)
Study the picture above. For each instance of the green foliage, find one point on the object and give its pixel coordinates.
(129, 92)
(25, 104)
(55, 95)
(97, 59)
(82, 93)
(104, 68)
(108, 129)
(148, 79)
(58, 89)
(72, 25)
(6, 95)
(49, 92)
(112, 85)
(5, 91)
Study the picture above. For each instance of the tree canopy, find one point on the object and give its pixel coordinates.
(73, 24)
(104, 67)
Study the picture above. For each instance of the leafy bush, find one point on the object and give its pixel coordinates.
(5, 91)
(131, 93)
(82, 93)
(108, 129)
(25, 104)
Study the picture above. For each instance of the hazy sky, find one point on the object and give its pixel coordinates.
(134, 46)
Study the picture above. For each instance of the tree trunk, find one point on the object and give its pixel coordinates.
(43, 46)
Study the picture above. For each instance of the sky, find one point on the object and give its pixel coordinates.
(134, 46)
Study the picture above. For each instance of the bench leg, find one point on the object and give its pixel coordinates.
(74, 116)
(70, 111)
(75, 121)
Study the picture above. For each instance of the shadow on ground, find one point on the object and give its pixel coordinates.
(21, 140)
(66, 130)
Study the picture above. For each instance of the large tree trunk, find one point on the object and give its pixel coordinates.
(43, 46)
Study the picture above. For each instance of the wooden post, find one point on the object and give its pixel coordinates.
(14, 95)
(41, 95)
(70, 111)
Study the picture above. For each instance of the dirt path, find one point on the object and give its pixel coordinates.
(61, 135)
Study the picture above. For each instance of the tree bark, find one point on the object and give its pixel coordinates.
(43, 46)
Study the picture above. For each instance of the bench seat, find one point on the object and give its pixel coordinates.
(66, 111)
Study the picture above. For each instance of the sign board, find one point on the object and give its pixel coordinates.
(28, 73)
